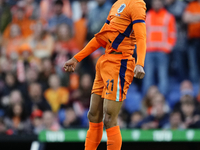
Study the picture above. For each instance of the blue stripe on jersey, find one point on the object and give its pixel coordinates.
(126, 33)
(121, 36)
(107, 21)
(118, 40)
(122, 74)
(138, 21)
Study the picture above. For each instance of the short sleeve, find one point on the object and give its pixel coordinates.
(137, 12)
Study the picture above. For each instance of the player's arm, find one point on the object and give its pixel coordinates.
(140, 35)
(138, 17)
(93, 45)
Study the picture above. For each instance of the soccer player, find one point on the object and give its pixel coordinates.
(125, 26)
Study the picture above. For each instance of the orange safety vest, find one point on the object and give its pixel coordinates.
(161, 31)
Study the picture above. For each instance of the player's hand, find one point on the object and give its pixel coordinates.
(70, 65)
(139, 72)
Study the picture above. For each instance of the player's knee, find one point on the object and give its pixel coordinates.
(109, 120)
(93, 117)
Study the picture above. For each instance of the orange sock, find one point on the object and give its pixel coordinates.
(114, 138)
(94, 136)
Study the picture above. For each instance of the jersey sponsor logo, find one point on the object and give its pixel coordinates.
(121, 8)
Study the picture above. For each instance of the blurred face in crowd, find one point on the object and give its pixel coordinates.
(70, 116)
(37, 122)
(54, 82)
(58, 9)
(15, 31)
(5, 65)
(101, 2)
(15, 97)
(47, 65)
(158, 105)
(150, 94)
(20, 13)
(17, 109)
(157, 4)
(10, 79)
(64, 32)
(136, 118)
(186, 88)
(175, 119)
(31, 76)
(35, 91)
(48, 119)
(187, 109)
(152, 91)
(86, 81)
(38, 29)
(168, 2)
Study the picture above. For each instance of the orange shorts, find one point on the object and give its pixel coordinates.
(114, 74)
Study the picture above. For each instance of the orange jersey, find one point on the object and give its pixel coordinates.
(118, 33)
(124, 27)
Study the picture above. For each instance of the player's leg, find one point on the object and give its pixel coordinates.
(117, 75)
(95, 116)
(111, 110)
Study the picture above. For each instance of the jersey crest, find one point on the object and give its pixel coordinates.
(121, 8)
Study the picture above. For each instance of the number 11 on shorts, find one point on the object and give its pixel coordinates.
(108, 82)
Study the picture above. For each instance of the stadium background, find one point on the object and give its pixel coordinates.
(40, 102)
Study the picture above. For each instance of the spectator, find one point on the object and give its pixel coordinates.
(22, 21)
(159, 117)
(13, 42)
(36, 99)
(46, 69)
(82, 95)
(191, 16)
(56, 95)
(10, 84)
(121, 122)
(81, 26)
(177, 7)
(65, 47)
(16, 120)
(175, 122)
(32, 9)
(147, 102)
(36, 118)
(5, 15)
(190, 116)
(71, 120)
(59, 17)
(46, 7)
(186, 94)
(15, 97)
(49, 121)
(41, 42)
(97, 17)
(161, 37)
(2, 126)
(136, 117)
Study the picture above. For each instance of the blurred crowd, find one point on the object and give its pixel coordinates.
(38, 36)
